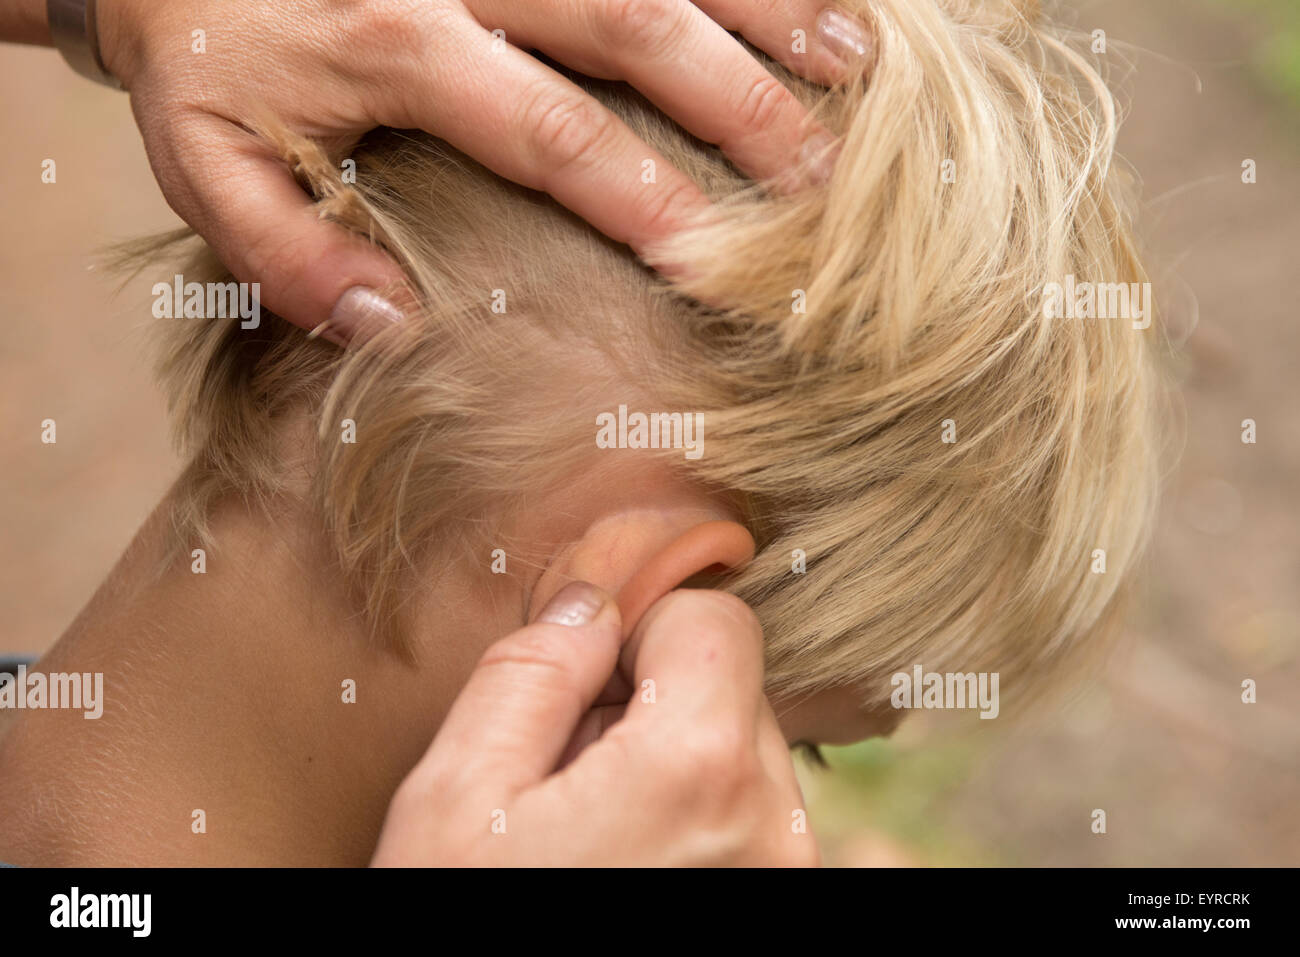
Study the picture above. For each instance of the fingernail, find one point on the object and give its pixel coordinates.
(844, 36)
(362, 312)
(577, 603)
(818, 156)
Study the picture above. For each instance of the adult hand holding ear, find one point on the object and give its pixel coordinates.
(198, 70)
(695, 772)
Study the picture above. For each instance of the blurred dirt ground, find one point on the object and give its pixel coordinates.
(1161, 741)
(70, 352)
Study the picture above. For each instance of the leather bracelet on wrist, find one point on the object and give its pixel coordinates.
(76, 36)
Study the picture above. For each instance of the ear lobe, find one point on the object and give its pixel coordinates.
(704, 547)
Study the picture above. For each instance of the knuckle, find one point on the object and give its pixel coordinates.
(567, 129)
(391, 37)
(533, 650)
(272, 254)
(663, 206)
(383, 26)
(266, 257)
(721, 756)
(646, 26)
(763, 104)
(732, 831)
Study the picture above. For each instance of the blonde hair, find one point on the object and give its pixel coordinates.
(977, 165)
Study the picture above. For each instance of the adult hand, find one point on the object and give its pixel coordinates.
(334, 69)
(695, 770)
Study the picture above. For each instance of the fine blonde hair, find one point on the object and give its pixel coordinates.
(882, 390)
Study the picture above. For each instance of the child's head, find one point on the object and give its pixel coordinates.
(930, 465)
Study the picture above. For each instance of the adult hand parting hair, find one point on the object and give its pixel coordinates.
(461, 70)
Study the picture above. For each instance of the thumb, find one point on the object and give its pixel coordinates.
(509, 727)
(249, 208)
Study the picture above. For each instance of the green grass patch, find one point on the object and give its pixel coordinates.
(1276, 57)
(903, 792)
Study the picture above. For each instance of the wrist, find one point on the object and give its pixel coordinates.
(119, 38)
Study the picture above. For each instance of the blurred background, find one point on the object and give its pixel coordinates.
(1159, 739)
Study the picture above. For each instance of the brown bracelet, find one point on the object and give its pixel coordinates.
(72, 25)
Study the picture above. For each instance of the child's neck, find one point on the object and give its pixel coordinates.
(223, 706)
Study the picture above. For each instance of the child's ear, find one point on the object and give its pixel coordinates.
(707, 548)
(640, 555)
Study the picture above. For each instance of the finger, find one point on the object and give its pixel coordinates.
(616, 691)
(590, 727)
(787, 839)
(811, 37)
(510, 724)
(686, 64)
(528, 124)
(245, 203)
(697, 658)
(774, 752)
